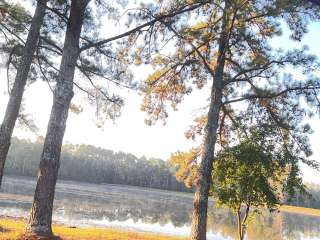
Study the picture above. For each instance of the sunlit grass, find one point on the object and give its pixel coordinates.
(11, 229)
(301, 210)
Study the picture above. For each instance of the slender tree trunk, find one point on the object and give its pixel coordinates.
(16, 94)
(240, 231)
(41, 213)
(200, 203)
(244, 222)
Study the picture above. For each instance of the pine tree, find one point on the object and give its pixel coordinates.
(226, 44)
(24, 64)
(94, 59)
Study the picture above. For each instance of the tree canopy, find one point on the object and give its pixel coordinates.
(225, 47)
(221, 46)
(246, 176)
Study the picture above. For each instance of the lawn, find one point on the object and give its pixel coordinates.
(13, 229)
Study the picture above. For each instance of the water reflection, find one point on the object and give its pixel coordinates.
(148, 210)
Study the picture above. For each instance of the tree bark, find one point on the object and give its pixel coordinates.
(17, 91)
(41, 212)
(200, 203)
(244, 222)
(240, 231)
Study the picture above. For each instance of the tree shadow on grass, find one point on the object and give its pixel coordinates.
(4, 230)
(36, 237)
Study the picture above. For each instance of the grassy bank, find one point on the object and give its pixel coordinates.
(12, 229)
(300, 210)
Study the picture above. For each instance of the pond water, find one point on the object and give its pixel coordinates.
(82, 204)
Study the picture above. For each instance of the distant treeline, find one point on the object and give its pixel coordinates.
(311, 201)
(94, 165)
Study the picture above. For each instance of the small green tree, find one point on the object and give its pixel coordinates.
(246, 178)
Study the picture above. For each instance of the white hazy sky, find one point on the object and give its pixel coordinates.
(129, 133)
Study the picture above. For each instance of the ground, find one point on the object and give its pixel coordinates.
(13, 228)
(300, 210)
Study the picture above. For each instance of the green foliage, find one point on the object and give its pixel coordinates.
(12, 32)
(256, 76)
(246, 174)
(12, 15)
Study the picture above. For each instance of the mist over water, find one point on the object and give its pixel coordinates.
(81, 204)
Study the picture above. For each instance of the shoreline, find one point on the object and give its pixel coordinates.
(300, 210)
(12, 228)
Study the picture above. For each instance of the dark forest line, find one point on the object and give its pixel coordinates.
(91, 164)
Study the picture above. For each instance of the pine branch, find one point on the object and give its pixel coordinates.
(107, 98)
(272, 95)
(51, 43)
(317, 2)
(150, 23)
(261, 69)
(196, 49)
(41, 69)
(56, 11)
(13, 33)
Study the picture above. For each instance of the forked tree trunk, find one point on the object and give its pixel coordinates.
(200, 202)
(41, 213)
(242, 223)
(16, 94)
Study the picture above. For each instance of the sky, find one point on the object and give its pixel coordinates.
(129, 133)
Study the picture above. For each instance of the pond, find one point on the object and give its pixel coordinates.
(82, 204)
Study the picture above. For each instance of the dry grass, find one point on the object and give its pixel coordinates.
(301, 210)
(13, 229)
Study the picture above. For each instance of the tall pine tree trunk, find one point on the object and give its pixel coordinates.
(200, 202)
(16, 94)
(41, 213)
